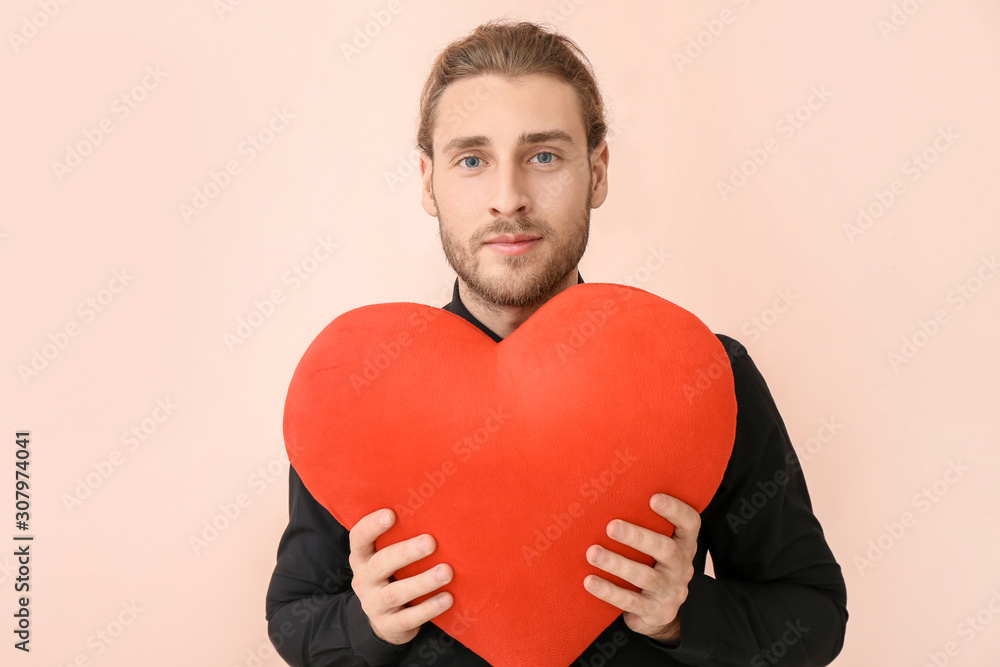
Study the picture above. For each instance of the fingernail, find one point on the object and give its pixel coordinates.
(598, 555)
(659, 501)
(425, 544)
(443, 600)
(441, 573)
(385, 518)
(616, 529)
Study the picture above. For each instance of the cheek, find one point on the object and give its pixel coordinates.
(457, 197)
(561, 194)
(564, 204)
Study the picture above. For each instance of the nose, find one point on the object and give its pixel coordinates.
(510, 195)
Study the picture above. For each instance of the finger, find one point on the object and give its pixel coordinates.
(365, 531)
(637, 574)
(617, 596)
(649, 542)
(388, 560)
(408, 618)
(398, 593)
(687, 521)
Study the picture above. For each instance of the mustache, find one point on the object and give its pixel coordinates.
(520, 225)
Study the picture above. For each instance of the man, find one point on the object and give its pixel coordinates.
(511, 179)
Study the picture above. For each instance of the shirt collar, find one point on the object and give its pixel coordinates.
(458, 308)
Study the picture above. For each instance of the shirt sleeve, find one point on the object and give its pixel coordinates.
(778, 591)
(314, 619)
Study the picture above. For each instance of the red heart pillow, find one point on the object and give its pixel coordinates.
(515, 455)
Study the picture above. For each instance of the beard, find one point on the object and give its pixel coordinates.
(523, 280)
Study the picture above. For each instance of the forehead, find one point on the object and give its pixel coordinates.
(503, 109)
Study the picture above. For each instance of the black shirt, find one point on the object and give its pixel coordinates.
(778, 592)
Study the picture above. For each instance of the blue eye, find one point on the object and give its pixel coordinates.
(552, 157)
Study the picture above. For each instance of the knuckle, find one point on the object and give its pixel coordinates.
(396, 625)
(630, 603)
(390, 595)
(609, 560)
(374, 569)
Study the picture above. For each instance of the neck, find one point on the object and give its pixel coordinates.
(502, 320)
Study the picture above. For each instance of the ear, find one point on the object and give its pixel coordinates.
(427, 194)
(599, 166)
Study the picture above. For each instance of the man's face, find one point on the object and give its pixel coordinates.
(511, 161)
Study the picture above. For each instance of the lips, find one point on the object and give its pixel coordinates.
(513, 244)
(512, 238)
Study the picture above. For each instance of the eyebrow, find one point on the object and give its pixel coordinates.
(480, 140)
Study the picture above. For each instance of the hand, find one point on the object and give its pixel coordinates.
(664, 586)
(383, 600)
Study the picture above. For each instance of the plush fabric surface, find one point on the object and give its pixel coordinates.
(515, 455)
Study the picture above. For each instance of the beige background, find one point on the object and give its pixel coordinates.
(337, 170)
